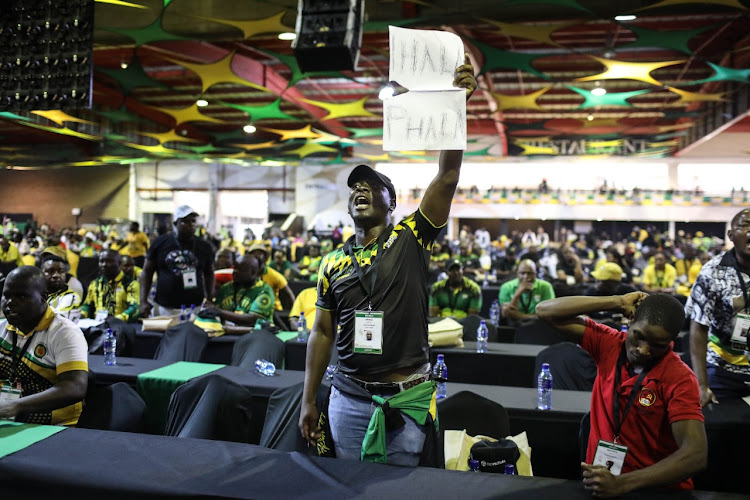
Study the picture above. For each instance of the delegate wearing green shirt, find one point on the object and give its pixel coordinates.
(257, 298)
(455, 302)
(541, 290)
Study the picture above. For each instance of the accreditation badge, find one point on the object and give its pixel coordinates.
(74, 315)
(9, 393)
(740, 331)
(611, 456)
(368, 332)
(102, 315)
(189, 278)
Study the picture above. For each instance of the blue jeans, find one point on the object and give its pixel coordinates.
(349, 418)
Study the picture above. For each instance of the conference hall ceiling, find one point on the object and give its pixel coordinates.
(675, 74)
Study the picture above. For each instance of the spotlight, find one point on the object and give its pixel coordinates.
(249, 129)
(201, 103)
(124, 64)
(625, 18)
(590, 118)
(287, 36)
(599, 91)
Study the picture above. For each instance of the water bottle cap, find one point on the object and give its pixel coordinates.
(440, 357)
(473, 464)
(545, 366)
(183, 306)
(482, 322)
(302, 314)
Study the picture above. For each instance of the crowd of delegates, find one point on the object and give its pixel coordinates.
(531, 267)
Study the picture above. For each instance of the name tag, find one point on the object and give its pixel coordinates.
(74, 315)
(189, 278)
(8, 393)
(740, 332)
(611, 456)
(368, 332)
(101, 315)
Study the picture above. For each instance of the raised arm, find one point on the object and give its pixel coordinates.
(565, 313)
(436, 203)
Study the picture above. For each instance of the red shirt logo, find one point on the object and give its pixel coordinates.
(647, 397)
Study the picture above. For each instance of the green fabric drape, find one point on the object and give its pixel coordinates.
(414, 402)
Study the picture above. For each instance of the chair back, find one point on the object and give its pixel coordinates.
(258, 344)
(471, 324)
(475, 413)
(183, 342)
(211, 407)
(280, 430)
(572, 368)
(537, 332)
(116, 407)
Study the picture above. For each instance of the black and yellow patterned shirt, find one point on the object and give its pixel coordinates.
(400, 292)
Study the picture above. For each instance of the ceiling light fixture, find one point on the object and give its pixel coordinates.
(628, 17)
(249, 129)
(124, 64)
(598, 91)
(590, 118)
(287, 36)
(201, 103)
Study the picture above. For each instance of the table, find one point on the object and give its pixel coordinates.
(156, 467)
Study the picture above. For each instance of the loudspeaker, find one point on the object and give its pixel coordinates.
(329, 34)
(46, 49)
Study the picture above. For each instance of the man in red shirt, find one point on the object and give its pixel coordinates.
(662, 423)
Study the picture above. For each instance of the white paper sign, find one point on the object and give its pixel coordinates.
(425, 121)
(432, 114)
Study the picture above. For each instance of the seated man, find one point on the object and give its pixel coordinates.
(281, 265)
(61, 255)
(60, 297)
(609, 282)
(507, 266)
(657, 413)
(308, 266)
(111, 294)
(9, 254)
(519, 297)
(223, 268)
(456, 296)
(247, 298)
(304, 303)
(129, 270)
(277, 282)
(569, 265)
(48, 359)
(659, 276)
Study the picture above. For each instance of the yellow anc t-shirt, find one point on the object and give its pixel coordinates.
(57, 346)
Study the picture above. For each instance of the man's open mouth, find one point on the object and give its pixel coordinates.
(361, 202)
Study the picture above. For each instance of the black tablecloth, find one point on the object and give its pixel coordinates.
(82, 464)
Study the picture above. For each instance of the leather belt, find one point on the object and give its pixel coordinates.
(374, 387)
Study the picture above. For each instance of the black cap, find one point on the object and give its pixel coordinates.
(454, 263)
(365, 172)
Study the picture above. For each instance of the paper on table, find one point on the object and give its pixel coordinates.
(432, 114)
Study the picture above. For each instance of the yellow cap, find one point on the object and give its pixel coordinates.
(607, 272)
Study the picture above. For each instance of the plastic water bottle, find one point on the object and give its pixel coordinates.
(485, 283)
(183, 314)
(265, 367)
(473, 465)
(510, 470)
(192, 313)
(495, 312)
(302, 328)
(110, 348)
(544, 388)
(440, 374)
(482, 334)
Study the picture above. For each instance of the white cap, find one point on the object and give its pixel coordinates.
(183, 211)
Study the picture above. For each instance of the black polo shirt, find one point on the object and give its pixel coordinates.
(400, 292)
(171, 258)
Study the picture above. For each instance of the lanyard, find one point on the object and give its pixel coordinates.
(192, 248)
(616, 398)
(744, 289)
(373, 266)
(17, 359)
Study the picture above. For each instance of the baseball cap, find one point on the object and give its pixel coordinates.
(609, 271)
(258, 246)
(364, 172)
(454, 263)
(58, 252)
(183, 211)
